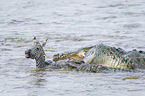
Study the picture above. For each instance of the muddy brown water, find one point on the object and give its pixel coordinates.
(68, 25)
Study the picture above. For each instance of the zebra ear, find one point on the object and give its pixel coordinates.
(35, 41)
(44, 43)
(34, 38)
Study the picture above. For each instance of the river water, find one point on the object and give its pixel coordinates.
(68, 25)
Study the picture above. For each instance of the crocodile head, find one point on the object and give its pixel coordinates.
(77, 55)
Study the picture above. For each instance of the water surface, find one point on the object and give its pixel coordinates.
(68, 25)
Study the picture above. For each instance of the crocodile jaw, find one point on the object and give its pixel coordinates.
(77, 56)
(73, 56)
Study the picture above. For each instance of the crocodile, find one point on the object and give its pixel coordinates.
(108, 56)
(97, 58)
